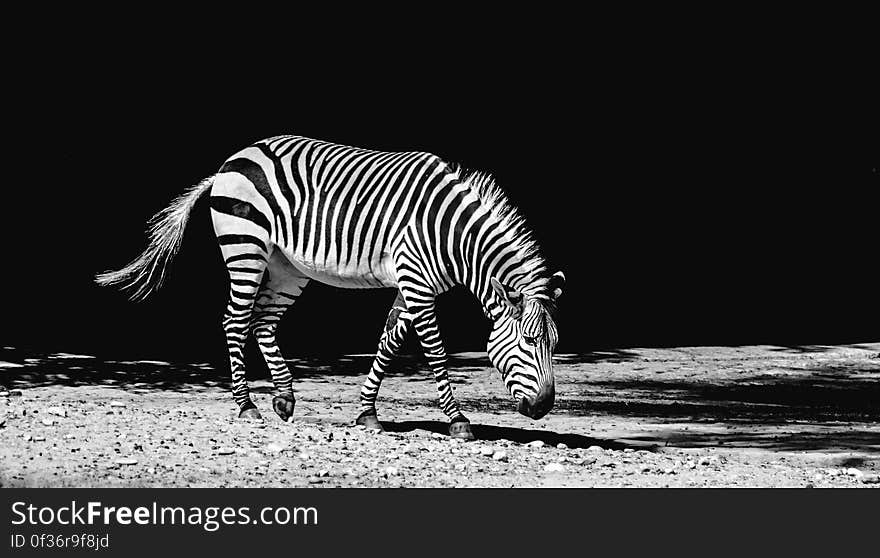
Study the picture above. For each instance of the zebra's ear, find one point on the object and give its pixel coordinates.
(557, 281)
(510, 297)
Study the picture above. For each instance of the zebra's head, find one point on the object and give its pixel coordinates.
(522, 342)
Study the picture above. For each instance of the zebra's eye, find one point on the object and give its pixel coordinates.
(530, 340)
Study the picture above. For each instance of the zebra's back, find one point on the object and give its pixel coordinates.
(335, 211)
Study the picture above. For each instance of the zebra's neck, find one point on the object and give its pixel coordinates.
(496, 243)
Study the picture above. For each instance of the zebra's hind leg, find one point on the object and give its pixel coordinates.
(245, 274)
(282, 285)
(396, 327)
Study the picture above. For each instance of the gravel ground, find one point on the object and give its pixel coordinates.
(687, 417)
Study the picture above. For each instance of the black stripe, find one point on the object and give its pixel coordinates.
(371, 183)
(368, 208)
(242, 209)
(331, 160)
(313, 192)
(240, 257)
(296, 212)
(344, 172)
(438, 260)
(227, 239)
(282, 185)
(323, 194)
(406, 196)
(409, 169)
(244, 283)
(347, 196)
(461, 244)
(446, 232)
(254, 172)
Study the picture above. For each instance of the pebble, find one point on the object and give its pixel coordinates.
(705, 461)
(818, 477)
(315, 480)
(390, 471)
(274, 448)
(117, 404)
(437, 435)
(536, 444)
(226, 451)
(39, 438)
(151, 471)
(47, 421)
(323, 473)
(58, 411)
(500, 456)
(487, 451)
(870, 479)
(595, 448)
(853, 472)
(560, 445)
(126, 461)
(554, 468)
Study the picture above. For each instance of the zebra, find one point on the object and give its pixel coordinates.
(288, 210)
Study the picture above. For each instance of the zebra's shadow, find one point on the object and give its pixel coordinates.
(486, 432)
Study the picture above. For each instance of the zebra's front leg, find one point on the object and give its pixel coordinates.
(425, 322)
(396, 328)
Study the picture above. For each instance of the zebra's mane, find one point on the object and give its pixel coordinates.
(493, 198)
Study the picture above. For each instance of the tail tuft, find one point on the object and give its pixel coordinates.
(146, 274)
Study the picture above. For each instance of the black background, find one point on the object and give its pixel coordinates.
(696, 186)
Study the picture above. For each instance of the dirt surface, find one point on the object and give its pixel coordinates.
(710, 416)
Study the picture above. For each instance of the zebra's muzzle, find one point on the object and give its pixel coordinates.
(538, 406)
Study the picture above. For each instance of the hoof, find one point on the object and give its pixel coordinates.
(249, 411)
(253, 414)
(283, 405)
(370, 421)
(461, 429)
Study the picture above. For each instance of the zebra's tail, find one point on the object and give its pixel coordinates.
(146, 274)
